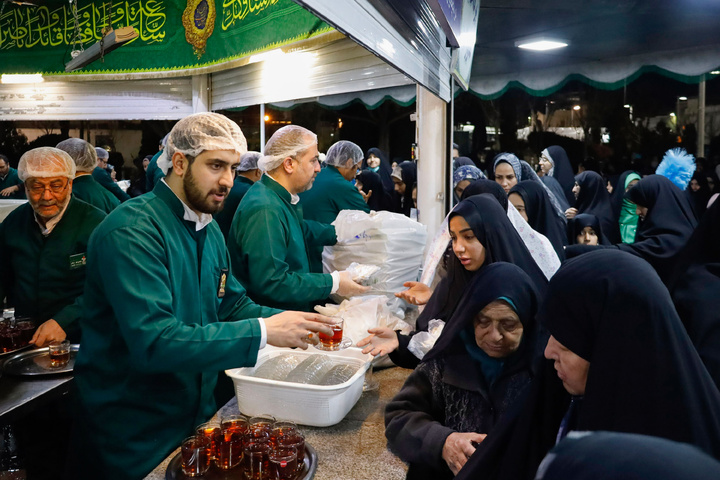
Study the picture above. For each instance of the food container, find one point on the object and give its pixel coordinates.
(314, 405)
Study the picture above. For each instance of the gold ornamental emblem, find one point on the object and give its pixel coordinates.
(199, 22)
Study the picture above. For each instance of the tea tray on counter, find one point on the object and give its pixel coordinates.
(37, 362)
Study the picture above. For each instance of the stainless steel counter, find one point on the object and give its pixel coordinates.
(21, 395)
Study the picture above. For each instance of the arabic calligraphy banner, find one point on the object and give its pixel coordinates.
(173, 34)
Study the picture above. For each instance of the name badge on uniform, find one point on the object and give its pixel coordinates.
(221, 283)
(78, 261)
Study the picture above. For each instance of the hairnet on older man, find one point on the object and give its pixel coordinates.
(344, 154)
(289, 141)
(81, 151)
(200, 132)
(249, 161)
(101, 152)
(46, 162)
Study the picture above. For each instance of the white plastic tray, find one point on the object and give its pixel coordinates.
(315, 405)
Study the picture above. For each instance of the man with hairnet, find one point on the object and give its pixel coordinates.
(247, 174)
(84, 185)
(269, 237)
(10, 184)
(163, 314)
(101, 175)
(43, 246)
(333, 191)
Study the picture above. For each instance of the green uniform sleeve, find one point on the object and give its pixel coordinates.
(69, 316)
(159, 336)
(317, 233)
(354, 201)
(267, 269)
(107, 182)
(237, 305)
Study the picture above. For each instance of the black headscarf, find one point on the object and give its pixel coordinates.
(460, 161)
(492, 282)
(699, 199)
(696, 290)
(667, 226)
(409, 178)
(625, 456)
(385, 169)
(541, 214)
(557, 190)
(562, 171)
(577, 224)
(483, 185)
(645, 376)
(372, 181)
(595, 199)
(618, 195)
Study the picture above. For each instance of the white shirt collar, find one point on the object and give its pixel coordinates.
(201, 221)
(294, 199)
(50, 224)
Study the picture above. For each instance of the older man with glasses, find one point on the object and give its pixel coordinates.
(43, 246)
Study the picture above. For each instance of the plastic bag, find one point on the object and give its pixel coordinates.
(392, 241)
(422, 342)
(277, 368)
(363, 274)
(310, 370)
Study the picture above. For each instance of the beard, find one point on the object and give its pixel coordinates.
(202, 202)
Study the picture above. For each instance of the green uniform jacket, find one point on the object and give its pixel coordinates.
(153, 174)
(329, 194)
(10, 180)
(104, 179)
(152, 349)
(43, 276)
(90, 191)
(268, 246)
(225, 216)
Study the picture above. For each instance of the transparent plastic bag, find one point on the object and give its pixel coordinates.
(310, 370)
(338, 374)
(278, 368)
(421, 343)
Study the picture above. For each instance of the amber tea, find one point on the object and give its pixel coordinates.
(334, 341)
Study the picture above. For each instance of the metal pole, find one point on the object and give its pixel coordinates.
(450, 189)
(262, 128)
(701, 121)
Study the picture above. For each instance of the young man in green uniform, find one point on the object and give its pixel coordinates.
(332, 192)
(247, 174)
(84, 186)
(43, 246)
(163, 314)
(103, 177)
(10, 184)
(269, 237)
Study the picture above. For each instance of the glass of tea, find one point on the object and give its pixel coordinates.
(296, 440)
(230, 445)
(283, 463)
(195, 455)
(334, 341)
(59, 353)
(257, 460)
(210, 430)
(282, 428)
(262, 422)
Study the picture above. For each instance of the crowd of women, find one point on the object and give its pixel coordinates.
(579, 333)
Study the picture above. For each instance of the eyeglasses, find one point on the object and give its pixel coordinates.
(54, 187)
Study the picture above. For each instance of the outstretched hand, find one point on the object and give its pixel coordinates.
(383, 340)
(417, 294)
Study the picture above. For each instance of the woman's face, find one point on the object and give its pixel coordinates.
(519, 204)
(399, 186)
(466, 246)
(694, 185)
(461, 187)
(505, 176)
(545, 164)
(576, 189)
(571, 369)
(587, 237)
(641, 211)
(632, 184)
(373, 161)
(498, 330)
(414, 196)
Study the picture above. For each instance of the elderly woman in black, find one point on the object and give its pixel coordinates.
(621, 361)
(476, 370)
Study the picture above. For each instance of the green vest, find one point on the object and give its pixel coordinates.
(225, 216)
(151, 351)
(329, 194)
(87, 189)
(268, 246)
(10, 180)
(43, 276)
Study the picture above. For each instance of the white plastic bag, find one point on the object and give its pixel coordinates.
(421, 343)
(392, 241)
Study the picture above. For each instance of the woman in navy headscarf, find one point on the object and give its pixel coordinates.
(404, 177)
(555, 164)
(593, 198)
(476, 370)
(377, 161)
(533, 203)
(371, 184)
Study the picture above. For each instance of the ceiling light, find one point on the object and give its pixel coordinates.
(540, 45)
(715, 72)
(682, 98)
(627, 105)
(30, 78)
(576, 107)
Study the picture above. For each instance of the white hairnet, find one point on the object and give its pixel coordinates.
(199, 132)
(249, 161)
(81, 151)
(342, 151)
(289, 141)
(101, 152)
(45, 162)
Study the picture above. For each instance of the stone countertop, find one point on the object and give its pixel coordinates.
(354, 448)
